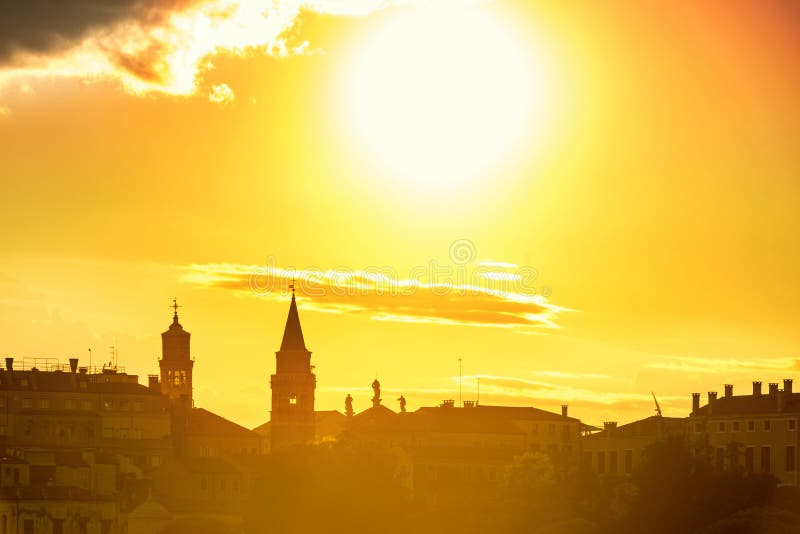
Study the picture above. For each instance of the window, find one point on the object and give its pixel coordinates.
(751, 426)
(791, 424)
(749, 459)
(69, 404)
(27, 403)
(791, 458)
(86, 405)
(535, 430)
(628, 461)
(612, 462)
(124, 405)
(44, 404)
(587, 459)
(58, 526)
(698, 427)
(551, 429)
(108, 405)
(155, 460)
(108, 432)
(601, 462)
(721, 426)
(27, 526)
(735, 425)
(767, 425)
(2, 402)
(766, 460)
(138, 406)
(292, 399)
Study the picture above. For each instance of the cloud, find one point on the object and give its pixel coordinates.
(221, 94)
(388, 297)
(687, 364)
(44, 25)
(149, 45)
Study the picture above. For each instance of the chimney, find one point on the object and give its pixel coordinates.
(152, 382)
(787, 385)
(9, 364)
(729, 390)
(469, 404)
(695, 402)
(773, 388)
(73, 365)
(448, 403)
(564, 409)
(756, 388)
(712, 396)
(610, 426)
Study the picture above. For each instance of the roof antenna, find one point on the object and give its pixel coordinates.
(478, 400)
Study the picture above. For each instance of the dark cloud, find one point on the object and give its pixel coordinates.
(46, 25)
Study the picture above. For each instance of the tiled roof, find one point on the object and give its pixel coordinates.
(321, 416)
(204, 423)
(752, 404)
(649, 426)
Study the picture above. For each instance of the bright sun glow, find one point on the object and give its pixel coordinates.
(441, 96)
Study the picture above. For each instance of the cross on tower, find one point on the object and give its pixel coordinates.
(175, 306)
(291, 285)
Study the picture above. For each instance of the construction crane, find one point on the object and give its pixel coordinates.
(658, 408)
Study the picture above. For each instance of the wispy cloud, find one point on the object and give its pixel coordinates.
(150, 45)
(381, 296)
(689, 364)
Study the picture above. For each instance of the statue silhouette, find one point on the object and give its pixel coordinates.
(348, 406)
(376, 388)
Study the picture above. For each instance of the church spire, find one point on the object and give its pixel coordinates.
(175, 307)
(293, 333)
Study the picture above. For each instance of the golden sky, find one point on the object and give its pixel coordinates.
(586, 202)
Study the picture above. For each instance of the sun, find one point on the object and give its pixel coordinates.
(438, 97)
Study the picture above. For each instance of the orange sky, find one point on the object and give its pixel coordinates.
(640, 159)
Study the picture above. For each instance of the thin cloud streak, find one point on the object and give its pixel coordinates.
(687, 364)
(384, 297)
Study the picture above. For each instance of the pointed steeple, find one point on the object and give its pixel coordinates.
(293, 333)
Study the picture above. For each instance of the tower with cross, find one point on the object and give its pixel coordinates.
(293, 386)
(176, 361)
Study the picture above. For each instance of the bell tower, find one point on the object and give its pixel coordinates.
(176, 362)
(293, 386)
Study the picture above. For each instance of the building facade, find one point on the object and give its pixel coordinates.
(617, 450)
(757, 432)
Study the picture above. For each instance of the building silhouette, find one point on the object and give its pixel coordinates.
(176, 361)
(756, 431)
(292, 385)
(93, 450)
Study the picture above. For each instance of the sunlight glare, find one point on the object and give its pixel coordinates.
(439, 97)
